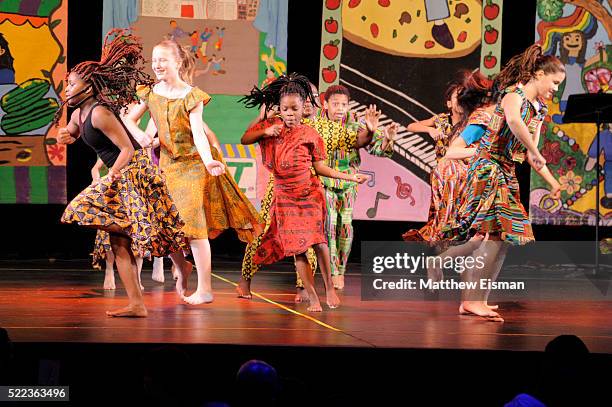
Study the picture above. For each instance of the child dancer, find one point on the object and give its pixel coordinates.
(440, 127)
(290, 150)
(492, 204)
(132, 202)
(343, 137)
(472, 99)
(207, 205)
(249, 267)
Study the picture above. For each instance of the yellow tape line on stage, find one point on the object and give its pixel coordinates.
(323, 324)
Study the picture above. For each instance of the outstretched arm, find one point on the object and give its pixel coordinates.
(426, 126)
(322, 169)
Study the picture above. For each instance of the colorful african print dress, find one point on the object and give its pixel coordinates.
(139, 202)
(492, 202)
(448, 182)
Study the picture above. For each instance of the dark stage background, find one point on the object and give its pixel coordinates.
(34, 231)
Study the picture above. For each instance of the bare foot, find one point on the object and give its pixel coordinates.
(158, 274)
(244, 288)
(332, 299)
(493, 307)
(199, 297)
(183, 277)
(109, 283)
(315, 305)
(480, 309)
(131, 311)
(338, 282)
(301, 295)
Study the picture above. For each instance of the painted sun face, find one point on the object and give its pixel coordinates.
(573, 42)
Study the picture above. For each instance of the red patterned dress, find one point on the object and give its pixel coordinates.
(297, 214)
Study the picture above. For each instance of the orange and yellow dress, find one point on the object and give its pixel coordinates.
(207, 204)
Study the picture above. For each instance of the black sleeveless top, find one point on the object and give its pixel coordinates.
(97, 140)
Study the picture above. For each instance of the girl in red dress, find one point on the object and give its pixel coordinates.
(291, 150)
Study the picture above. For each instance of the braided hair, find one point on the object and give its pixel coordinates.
(270, 95)
(114, 78)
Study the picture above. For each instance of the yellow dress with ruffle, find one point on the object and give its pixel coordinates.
(207, 204)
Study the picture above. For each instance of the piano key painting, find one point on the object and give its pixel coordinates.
(400, 56)
(580, 37)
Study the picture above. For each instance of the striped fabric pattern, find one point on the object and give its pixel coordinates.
(492, 201)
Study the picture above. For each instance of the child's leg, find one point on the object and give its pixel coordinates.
(474, 301)
(301, 295)
(126, 266)
(200, 248)
(249, 267)
(183, 270)
(331, 227)
(344, 231)
(323, 257)
(435, 272)
(158, 269)
(109, 273)
(499, 262)
(139, 261)
(303, 269)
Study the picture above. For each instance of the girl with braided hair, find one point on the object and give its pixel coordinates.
(131, 202)
(205, 193)
(291, 150)
(491, 204)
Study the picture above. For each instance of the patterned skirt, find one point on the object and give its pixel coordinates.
(138, 202)
(102, 246)
(448, 183)
(209, 205)
(492, 204)
(297, 222)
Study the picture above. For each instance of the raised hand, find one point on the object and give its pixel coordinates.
(371, 118)
(391, 131)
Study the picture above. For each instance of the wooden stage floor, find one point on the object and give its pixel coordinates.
(67, 304)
